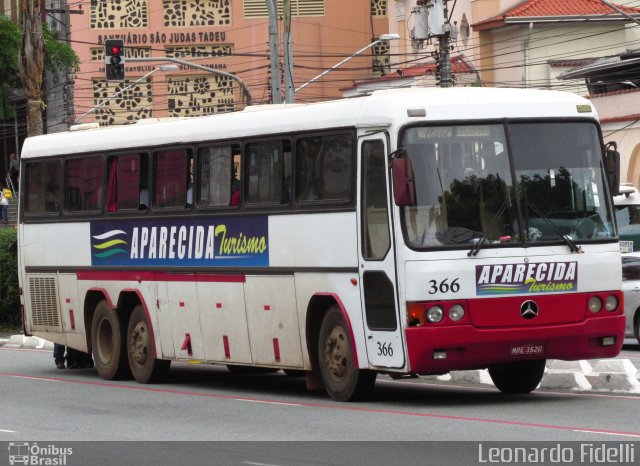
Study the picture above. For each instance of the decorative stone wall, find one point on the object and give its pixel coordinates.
(120, 14)
(130, 106)
(379, 7)
(200, 95)
(194, 13)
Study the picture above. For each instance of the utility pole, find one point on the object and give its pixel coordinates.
(274, 53)
(288, 55)
(432, 20)
(444, 54)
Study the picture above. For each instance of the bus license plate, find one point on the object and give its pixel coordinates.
(527, 349)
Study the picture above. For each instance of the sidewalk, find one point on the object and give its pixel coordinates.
(617, 375)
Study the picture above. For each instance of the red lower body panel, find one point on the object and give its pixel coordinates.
(468, 347)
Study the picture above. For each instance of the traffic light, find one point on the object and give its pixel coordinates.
(114, 59)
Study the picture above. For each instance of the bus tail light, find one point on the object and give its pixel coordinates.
(612, 302)
(436, 313)
(595, 304)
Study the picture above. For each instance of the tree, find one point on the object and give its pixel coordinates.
(9, 74)
(27, 50)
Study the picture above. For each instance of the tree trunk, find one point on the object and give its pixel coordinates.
(32, 63)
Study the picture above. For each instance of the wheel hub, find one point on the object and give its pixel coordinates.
(336, 353)
(139, 343)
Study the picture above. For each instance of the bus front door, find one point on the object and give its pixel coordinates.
(383, 333)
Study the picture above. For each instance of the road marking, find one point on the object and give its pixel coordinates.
(8, 431)
(283, 403)
(607, 433)
(258, 464)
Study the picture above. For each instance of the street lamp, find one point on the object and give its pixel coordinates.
(126, 88)
(383, 38)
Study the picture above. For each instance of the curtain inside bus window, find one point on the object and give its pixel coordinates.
(112, 204)
(171, 178)
(128, 185)
(43, 187)
(216, 175)
(84, 181)
(266, 172)
(324, 167)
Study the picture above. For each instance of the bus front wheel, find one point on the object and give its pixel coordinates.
(144, 366)
(518, 376)
(108, 343)
(342, 380)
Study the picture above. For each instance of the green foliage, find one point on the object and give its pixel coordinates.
(59, 56)
(9, 77)
(9, 298)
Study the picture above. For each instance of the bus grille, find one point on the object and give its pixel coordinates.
(44, 302)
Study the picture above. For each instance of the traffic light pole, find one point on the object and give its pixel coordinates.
(245, 89)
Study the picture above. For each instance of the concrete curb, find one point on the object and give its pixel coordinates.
(21, 341)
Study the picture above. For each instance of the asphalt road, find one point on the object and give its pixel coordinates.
(207, 403)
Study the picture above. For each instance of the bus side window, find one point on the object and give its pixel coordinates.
(324, 170)
(84, 180)
(171, 177)
(216, 175)
(43, 187)
(269, 179)
(127, 182)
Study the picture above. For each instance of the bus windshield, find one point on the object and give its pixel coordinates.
(467, 189)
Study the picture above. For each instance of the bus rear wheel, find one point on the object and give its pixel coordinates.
(342, 380)
(108, 343)
(144, 366)
(517, 377)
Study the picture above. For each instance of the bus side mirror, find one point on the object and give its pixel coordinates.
(404, 188)
(612, 167)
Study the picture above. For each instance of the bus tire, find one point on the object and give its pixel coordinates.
(108, 343)
(140, 352)
(342, 380)
(517, 377)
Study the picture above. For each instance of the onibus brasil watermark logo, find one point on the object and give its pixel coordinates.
(30, 453)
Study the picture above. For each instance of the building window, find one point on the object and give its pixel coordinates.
(258, 8)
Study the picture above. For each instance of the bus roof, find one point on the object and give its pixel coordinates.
(379, 109)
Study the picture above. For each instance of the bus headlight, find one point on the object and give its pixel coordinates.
(595, 304)
(456, 312)
(435, 314)
(611, 303)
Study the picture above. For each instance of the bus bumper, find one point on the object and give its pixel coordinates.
(438, 350)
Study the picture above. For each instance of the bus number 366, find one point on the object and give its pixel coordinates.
(385, 349)
(444, 286)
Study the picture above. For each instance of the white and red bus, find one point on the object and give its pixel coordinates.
(407, 232)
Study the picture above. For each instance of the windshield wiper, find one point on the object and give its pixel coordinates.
(476, 247)
(572, 246)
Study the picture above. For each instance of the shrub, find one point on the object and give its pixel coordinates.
(9, 298)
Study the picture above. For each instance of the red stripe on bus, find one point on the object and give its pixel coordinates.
(276, 349)
(186, 344)
(72, 320)
(148, 276)
(225, 343)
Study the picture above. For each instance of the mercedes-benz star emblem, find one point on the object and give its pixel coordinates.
(529, 309)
